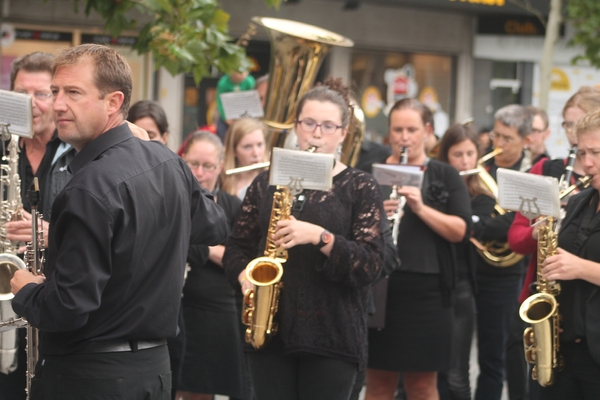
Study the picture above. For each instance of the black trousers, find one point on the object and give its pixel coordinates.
(578, 380)
(300, 377)
(141, 375)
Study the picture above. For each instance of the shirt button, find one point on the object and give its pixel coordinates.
(577, 340)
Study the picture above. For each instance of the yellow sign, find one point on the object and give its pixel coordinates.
(371, 102)
(559, 80)
(497, 3)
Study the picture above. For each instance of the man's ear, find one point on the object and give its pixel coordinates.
(114, 101)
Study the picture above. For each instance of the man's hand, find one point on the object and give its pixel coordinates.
(22, 278)
(20, 231)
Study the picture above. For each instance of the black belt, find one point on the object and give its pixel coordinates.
(120, 345)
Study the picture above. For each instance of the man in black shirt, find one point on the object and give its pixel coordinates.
(118, 237)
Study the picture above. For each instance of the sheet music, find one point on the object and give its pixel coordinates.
(301, 170)
(528, 193)
(242, 104)
(16, 111)
(400, 175)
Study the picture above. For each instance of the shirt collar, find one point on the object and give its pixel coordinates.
(99, 145)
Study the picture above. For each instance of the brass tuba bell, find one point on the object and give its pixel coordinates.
(297, 51)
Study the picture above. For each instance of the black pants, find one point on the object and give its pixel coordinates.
(141, 375)
(578, 380)
(300, 377)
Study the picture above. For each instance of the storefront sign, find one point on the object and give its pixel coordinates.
(107, 39)
(497, 3)
(50, 36)
(511, 25)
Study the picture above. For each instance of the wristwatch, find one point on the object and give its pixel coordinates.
(326, 237)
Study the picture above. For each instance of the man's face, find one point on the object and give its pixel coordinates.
(539, 133)
(509, 140)
(37, 84)
(79, 112)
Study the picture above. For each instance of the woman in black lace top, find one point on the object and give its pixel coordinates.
(334, 253)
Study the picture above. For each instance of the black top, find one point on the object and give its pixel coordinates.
(323, 303)
(575, 293)
(119, 238)
(482, 207)
(26, 173)
(444, 190)
(205, 282)
(496, 229)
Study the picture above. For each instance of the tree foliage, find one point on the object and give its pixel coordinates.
(182, 35)
(585, 16)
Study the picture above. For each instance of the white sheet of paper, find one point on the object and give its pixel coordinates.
(242, 104)
(16, 110)
(528, 193)
(300, 169)
(396, 174)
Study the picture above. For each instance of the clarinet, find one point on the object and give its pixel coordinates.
(397, 216)
(34, 260)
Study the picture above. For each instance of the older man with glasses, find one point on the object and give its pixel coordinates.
(498, 288)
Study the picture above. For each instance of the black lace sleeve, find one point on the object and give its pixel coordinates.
(357, 260)
(243, 243)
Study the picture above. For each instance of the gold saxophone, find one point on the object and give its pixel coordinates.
(261, 303)
(541, 339)
(496, 254)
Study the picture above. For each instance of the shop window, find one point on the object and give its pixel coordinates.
(381, 78)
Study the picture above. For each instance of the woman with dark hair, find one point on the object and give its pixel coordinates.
(418, 323)
(459, 149)
(335, 251)
(151, 117)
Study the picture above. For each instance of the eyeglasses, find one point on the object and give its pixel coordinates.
(206, 167)
(538, 131)
(327, 128)
(567, 125)
(41, 96)
(501, 138)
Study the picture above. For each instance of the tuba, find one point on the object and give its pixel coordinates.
(495, 253)
(297, 51)
(260, 304)
(541, 339)
(9, 262)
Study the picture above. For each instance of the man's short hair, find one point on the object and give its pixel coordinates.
(538, 111)
(32, 62)
(588, 123)
(517, 117)
(111, 71)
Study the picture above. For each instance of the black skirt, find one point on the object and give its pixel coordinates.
(418, 328)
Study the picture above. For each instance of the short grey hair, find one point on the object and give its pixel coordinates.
(515, 116)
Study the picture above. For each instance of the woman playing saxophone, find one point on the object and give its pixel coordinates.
(577, 268)
(334, 244)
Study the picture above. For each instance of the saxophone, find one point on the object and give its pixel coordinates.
(261, 303)
(541, 339)
(11, 209)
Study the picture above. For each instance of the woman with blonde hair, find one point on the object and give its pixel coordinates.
(245, 145)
